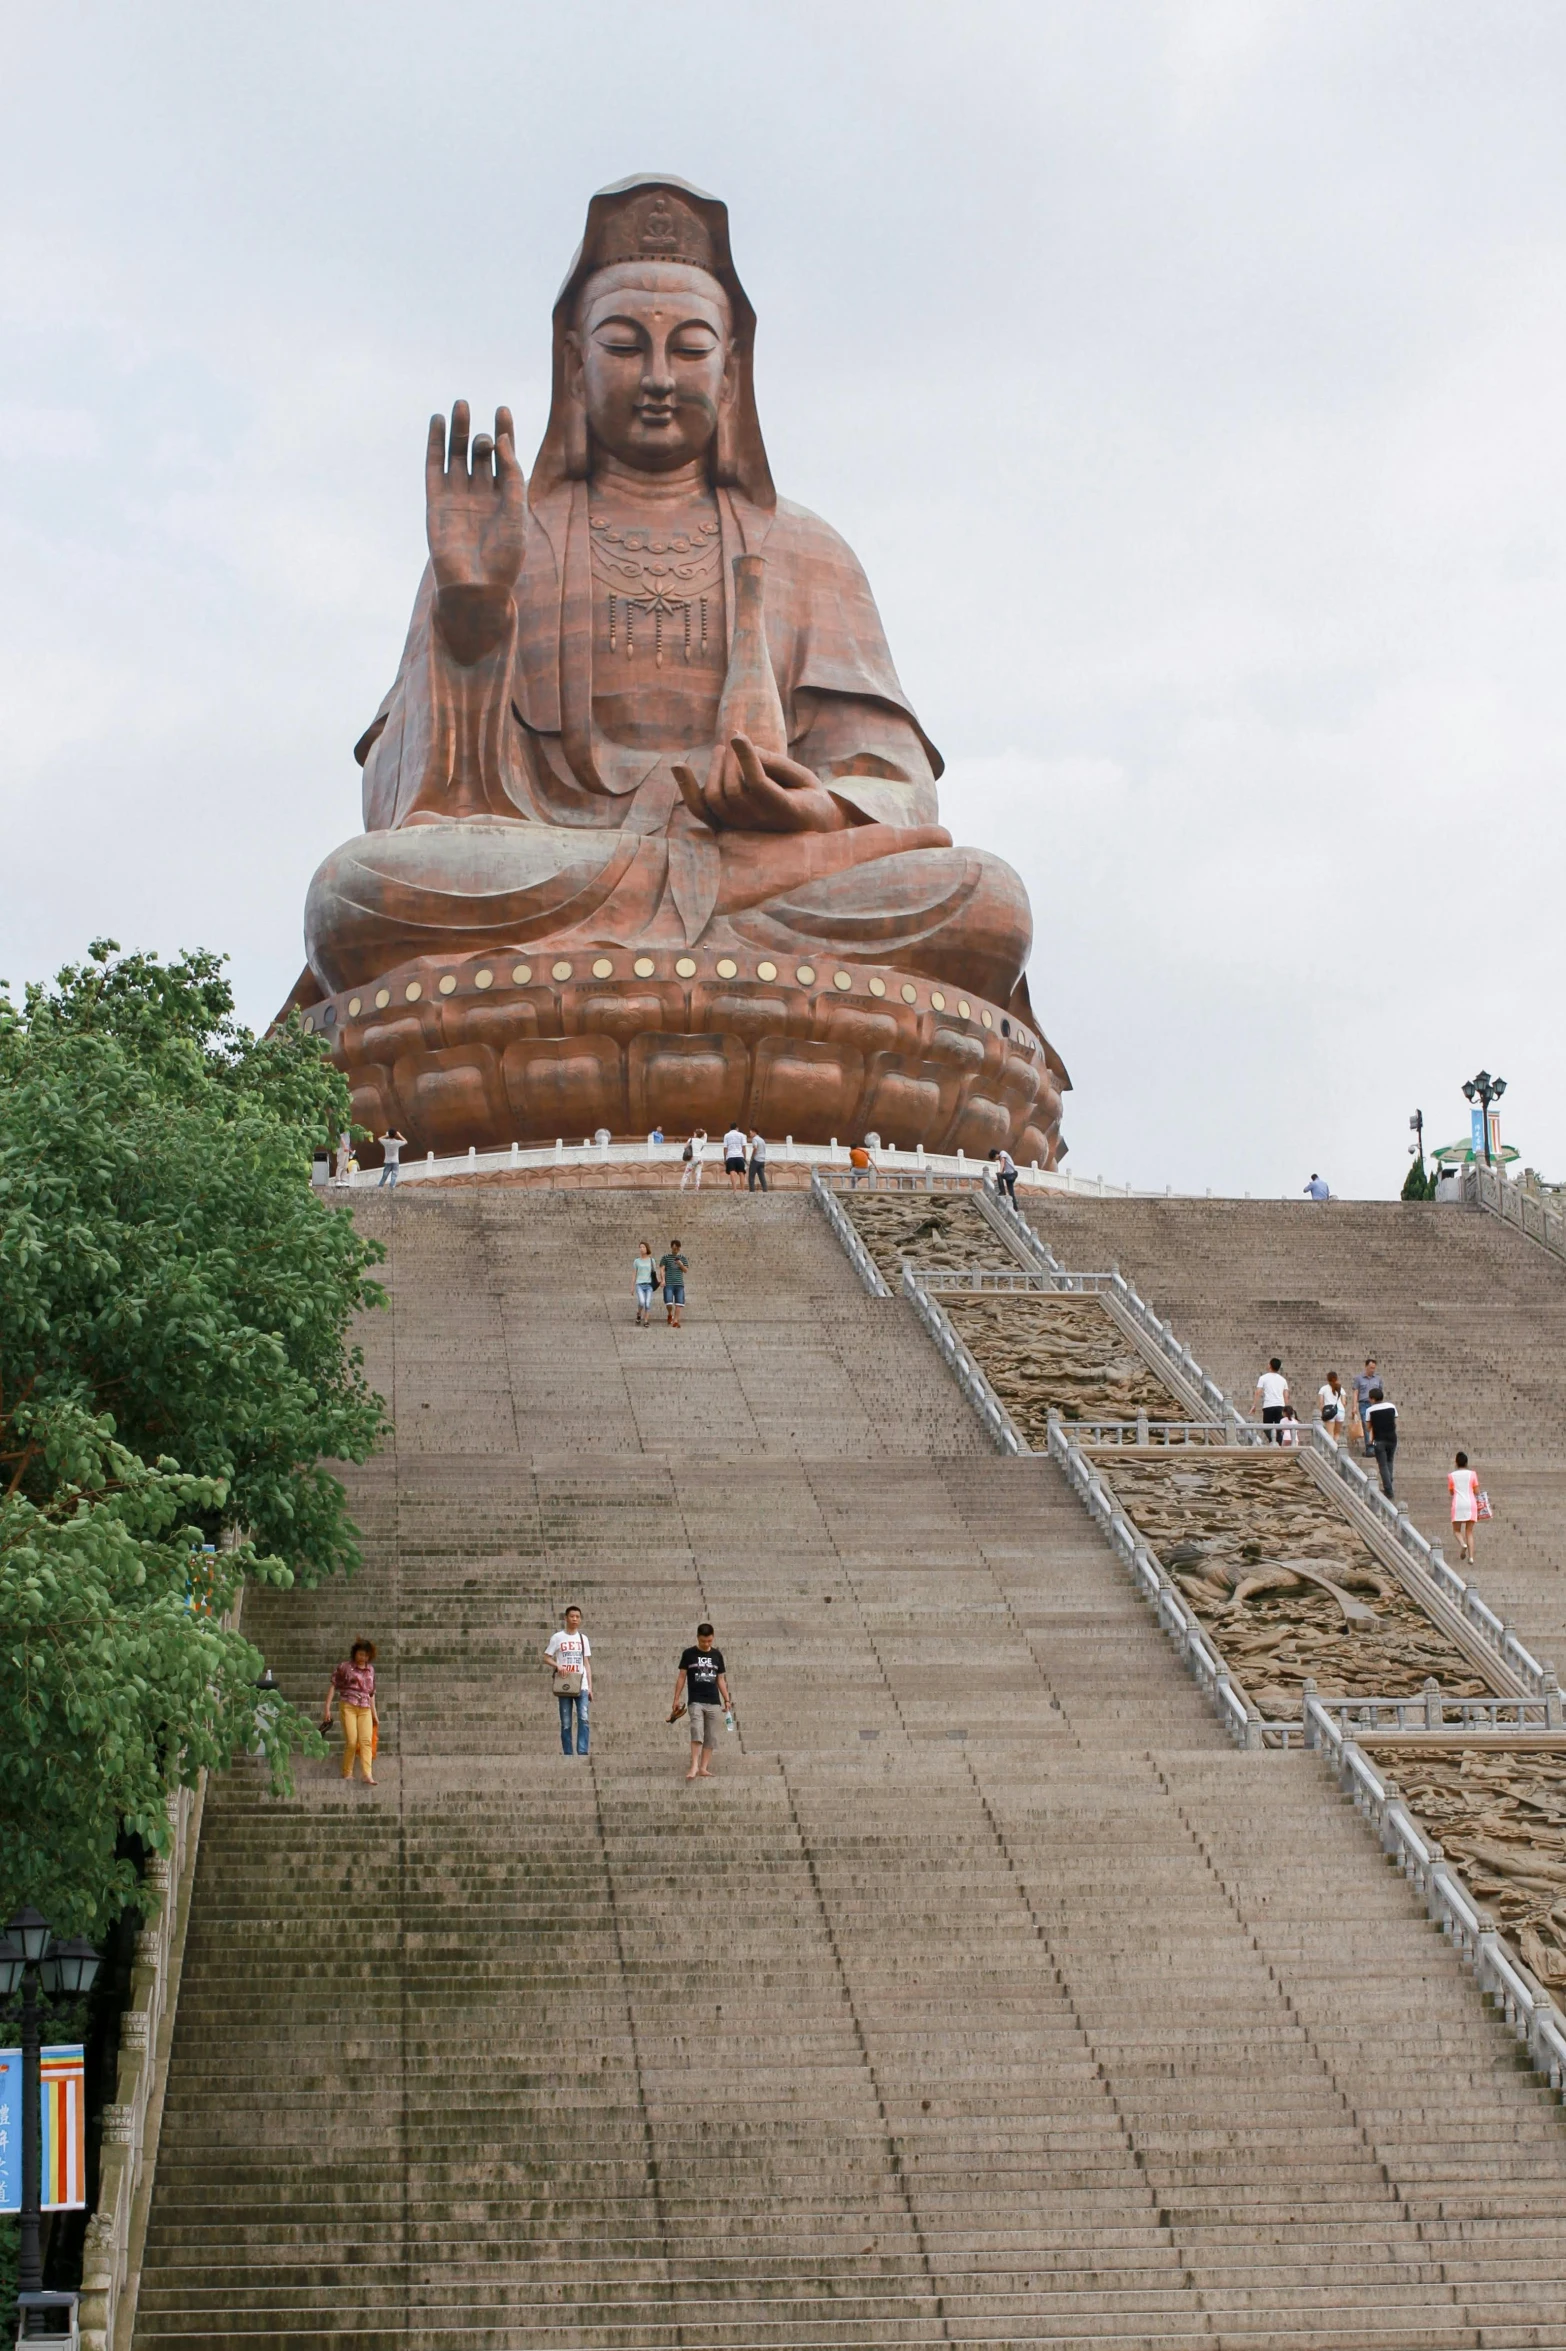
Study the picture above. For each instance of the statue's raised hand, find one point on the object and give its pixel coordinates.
(477, 525)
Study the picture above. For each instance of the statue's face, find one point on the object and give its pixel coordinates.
(651, 360)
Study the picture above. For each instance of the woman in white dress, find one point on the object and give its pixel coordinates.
(1462, 1483)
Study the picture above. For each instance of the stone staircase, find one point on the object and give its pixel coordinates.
(1466, 1320)
(985, 1995)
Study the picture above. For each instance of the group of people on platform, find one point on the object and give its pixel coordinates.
(744, 1158)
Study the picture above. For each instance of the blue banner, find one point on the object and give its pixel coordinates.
(10, 2130)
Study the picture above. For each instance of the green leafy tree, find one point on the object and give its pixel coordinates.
(175, 1302)
(1419, 1183)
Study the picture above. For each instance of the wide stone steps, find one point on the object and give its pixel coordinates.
(984, 1996)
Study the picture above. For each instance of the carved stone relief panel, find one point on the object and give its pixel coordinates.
(936, 1232)
(1062, 1354)
(1500, 1817)
(1282, 1581)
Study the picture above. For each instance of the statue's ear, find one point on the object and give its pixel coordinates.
(578, 460)
(725, 451)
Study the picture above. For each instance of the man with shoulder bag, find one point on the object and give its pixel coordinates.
(569, 1657)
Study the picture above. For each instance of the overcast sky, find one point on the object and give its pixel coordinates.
(1190, 379)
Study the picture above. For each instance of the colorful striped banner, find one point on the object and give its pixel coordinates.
(62, 2113)
(62, 2097)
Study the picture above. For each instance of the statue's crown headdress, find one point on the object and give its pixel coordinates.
(654, 226)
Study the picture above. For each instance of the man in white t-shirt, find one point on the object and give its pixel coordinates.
(734, 1158)
(1273, 1389)
(690, 1172)
(569, 1656)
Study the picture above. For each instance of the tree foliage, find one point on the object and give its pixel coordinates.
(174, 1372)
(1419, 1184)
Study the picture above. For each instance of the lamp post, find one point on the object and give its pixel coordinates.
(1484, 1090)
(32, 1961)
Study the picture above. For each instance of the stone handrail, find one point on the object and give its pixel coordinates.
(858, 1255)
(1383, 1518)
(117, 2232)
(961, 1364)
(1486, 1187)
(1434, 1710)
(111, 2254)
(621, 1151)
(1199, 1652)
(1526, 2006)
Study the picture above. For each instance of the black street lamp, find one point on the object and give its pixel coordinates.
(1485, 1089)
(31, 1961)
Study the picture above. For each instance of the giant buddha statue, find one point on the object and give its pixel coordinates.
(650, 824)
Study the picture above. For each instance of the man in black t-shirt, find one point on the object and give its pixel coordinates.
(674, 1268)
(701, 1684)
(1381, 1427)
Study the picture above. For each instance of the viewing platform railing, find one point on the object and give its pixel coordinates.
(1487, 1187)
(902, 1170)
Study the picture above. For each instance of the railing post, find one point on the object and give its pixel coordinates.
(1307, 1727)
(1434, 1710)
(1433, 1903)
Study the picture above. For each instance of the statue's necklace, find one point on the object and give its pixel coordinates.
(660, 574)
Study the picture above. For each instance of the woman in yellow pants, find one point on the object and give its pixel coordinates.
(353, 1687)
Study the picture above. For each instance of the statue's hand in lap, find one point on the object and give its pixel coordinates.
(477, 526)
(751, 791)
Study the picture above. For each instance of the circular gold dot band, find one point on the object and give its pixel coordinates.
(681, 967)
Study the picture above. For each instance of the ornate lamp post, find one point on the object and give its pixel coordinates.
(1485, 1089)
(32, 1961)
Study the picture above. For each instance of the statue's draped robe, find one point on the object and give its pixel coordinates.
(497, 811)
